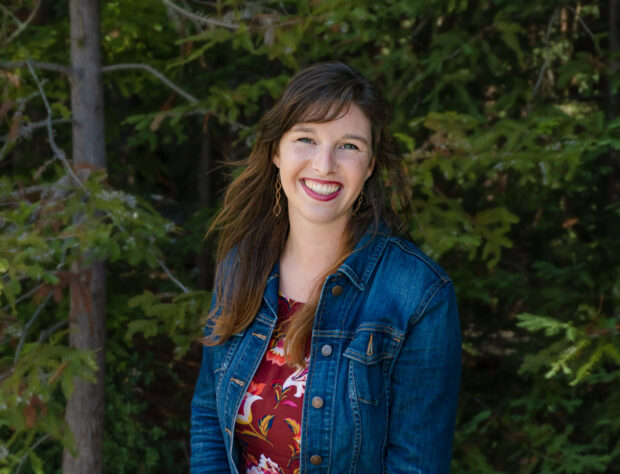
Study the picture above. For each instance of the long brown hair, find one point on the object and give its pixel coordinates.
(251, 238)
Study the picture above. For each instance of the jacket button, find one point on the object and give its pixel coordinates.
(317, 402)
(316, 459)
(337, 290)
(326, 350)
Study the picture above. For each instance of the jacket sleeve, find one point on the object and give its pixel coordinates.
(208, 451)
(424, 389)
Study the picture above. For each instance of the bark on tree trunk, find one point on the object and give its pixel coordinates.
(85, 408)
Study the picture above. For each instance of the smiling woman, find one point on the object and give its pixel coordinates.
(332, 343)
(323, 168)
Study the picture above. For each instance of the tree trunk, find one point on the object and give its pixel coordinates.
(85, 408)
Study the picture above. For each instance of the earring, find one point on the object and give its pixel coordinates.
(277, 209)
(358, 204)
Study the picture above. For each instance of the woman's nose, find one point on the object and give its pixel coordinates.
(324, 161)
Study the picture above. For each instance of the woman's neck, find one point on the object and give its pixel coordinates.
(310, 251)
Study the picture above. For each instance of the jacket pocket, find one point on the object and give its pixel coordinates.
(369, 354)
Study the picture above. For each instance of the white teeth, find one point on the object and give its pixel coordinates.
(322, 188)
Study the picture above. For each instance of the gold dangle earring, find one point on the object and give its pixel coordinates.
(358, 204)
(277, 209)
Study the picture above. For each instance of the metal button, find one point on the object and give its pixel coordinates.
(317, 402)
(326, 350)
(337, 290)
(316, 459)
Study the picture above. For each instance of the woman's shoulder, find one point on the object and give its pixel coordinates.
(410, 260)
(402, 285)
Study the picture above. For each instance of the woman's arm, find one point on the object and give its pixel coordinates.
(424, 390)
(208, 451)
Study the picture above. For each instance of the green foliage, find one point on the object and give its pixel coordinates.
(510, 143)
(41, 242)
(180, 318)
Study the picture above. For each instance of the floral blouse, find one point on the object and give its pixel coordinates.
(268, 424)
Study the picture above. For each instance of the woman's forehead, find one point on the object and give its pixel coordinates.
(323, 111)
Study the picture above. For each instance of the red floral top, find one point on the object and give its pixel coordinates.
(269, 420)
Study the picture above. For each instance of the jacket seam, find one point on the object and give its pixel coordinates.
(428, 297)
(418, 254)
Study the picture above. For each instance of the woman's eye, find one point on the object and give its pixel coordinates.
(305, 140)
(349, 146)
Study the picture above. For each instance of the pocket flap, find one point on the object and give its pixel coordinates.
(371, 346)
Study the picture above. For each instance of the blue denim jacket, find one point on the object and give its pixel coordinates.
(385, 359)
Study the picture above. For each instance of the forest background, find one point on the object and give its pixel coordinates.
(507, 116)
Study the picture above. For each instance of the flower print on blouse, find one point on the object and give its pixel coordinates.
(268, 424)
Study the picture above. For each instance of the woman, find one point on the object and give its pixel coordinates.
(332, 345)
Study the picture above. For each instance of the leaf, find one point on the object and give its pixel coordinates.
(293, 425)
(508, 32)
(148, 328)
(264, 424)
(35, 462)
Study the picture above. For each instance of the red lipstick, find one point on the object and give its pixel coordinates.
(321, 197)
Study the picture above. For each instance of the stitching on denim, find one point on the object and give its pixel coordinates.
(366, 327)
(357, 419)
(363, 359)
(432, 293)
(428, 297)
(243, 384)
(414, 251)
(263, 318)
(379, 247)
(346, 270)
(333, 333)
(227, 359)
(386, 409)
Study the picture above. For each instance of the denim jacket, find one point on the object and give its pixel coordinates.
(385, 360)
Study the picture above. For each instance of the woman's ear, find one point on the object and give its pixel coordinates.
(371, 167)
(275, 159)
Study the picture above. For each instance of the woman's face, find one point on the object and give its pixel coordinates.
(323, 167)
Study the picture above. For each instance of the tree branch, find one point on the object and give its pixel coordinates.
(34, 317)
(21, 105)
(57, 151)
(26, 130)
(587, 29)
(547, 61)
(8, 66)
(172, 277)
(49, 331)
(199, 18)
(21, 26)
(32, 448)
(154, 72)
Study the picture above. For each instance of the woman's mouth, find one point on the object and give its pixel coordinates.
(321, 190)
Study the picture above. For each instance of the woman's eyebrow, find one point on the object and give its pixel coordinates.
(301, 128)
(348, 136)
(356, 137)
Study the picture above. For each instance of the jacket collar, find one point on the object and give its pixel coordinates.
(357, 267)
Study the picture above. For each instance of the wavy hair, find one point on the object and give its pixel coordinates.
(251, 238)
